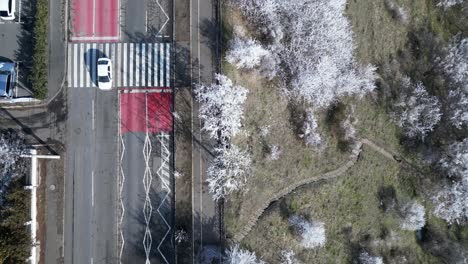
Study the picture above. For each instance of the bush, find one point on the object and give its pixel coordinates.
(40, 58)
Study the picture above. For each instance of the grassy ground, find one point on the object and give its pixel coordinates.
(349, 207)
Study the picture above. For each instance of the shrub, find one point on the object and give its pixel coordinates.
(40, 58)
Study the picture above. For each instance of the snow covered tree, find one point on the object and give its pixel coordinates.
(312, 233)
(289, 257)
(458, 108)
(455, 63)
(318, 53)
(449, 3)
(366, 258)
(455, 161)
(246, 53)
(221, 107)
(275, 152)
(451, 203)
(236, 255)
(11, 147)
(228, 171)
(417, 112)
(413, 216)
(311, 134)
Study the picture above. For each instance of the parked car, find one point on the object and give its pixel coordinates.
(7, 9)
(7, 79)
(104, 69)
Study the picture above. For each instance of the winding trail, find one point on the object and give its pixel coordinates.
(326, 176)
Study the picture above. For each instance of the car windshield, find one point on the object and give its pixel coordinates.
(103, 79)
(3, 13)
(8, 84)
(102, 62)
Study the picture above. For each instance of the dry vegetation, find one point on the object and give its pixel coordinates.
(391, 34)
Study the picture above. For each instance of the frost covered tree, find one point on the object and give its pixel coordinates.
(318, 53)
(289, 257)
(312, 233)
(458, 108)
(11, 147)
(246, 53)
(449, 3)
(366, 258)
(455, 162)
(455, 63)
(228, 171)
(311, 133)
(221, 107)
(236, 255)
(417, 112)
(451, 203)
(413, 216)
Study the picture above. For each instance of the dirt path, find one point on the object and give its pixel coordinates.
(326, 176)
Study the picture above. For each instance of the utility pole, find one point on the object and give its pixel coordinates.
(34, 183)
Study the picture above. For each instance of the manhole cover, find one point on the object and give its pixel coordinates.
(52, 187)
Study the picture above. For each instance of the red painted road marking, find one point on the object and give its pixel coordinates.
(133, 107)
(95, 20)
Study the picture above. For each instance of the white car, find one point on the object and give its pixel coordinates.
(7, 9)
(104, 69)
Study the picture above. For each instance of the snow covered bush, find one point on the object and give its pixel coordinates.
(458, 108)
(449, 3)
(289, 257)
(318, 54)
(312, 233)
(246, 53)
(417, 112)
(455, 161)
(455, 63)
(228, 171)
(275, 152)
(221, 107)
(236, 255)
(366, 258)
(451, 204)
(413, 216)
(311, 134)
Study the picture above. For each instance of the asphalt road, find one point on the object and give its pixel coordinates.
(91, 183)
(205, 211)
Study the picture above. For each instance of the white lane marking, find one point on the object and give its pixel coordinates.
(125, 65)
(118, 63)
(19, 15)
(138, 64)
(167, 18)
(150, 64)
(69, 73)
(88, 66)
(82, 65)
(143, 64)
(161, 65)
(75, 65)
(112, 57)
(167, 60)
(130, 64)
(92, 188)
(155, 64)
(146, 20)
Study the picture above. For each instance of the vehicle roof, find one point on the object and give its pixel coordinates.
(4, 5)
(102, 70)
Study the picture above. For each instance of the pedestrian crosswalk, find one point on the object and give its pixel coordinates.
(134, 64)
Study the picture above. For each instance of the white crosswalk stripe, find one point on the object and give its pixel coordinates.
(135, 64)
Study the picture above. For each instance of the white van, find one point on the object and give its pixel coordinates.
(7, 9)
